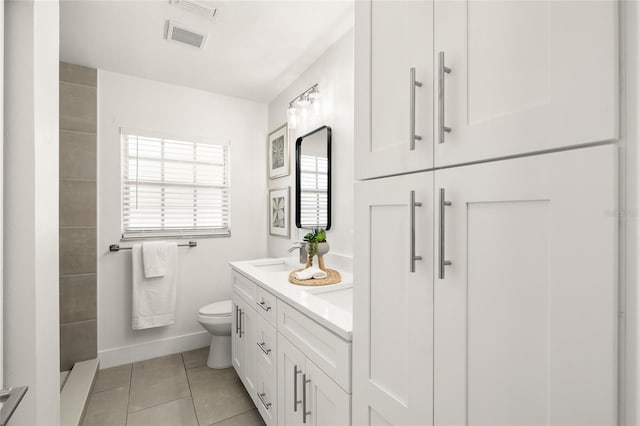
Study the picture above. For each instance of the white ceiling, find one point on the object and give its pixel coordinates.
(254, 49)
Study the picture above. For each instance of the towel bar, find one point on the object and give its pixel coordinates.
(116, 247)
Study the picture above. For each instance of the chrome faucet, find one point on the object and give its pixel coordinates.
(302, 246)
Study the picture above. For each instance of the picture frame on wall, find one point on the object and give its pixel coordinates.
(279, 152)
(279, 208)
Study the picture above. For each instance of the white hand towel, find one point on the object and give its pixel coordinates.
(309, 273)
(154, 258)
(153, 299)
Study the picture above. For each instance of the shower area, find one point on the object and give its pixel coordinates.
(77, 236)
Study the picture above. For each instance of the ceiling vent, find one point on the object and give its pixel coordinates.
(198, 7)
(178, 33)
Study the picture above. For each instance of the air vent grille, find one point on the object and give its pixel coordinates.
(198, 7)
(180, 34)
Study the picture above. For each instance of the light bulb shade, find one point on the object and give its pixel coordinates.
(315, 98)
(291, 117)
(303, 101)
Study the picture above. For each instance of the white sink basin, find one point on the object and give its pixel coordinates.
(339, 297)
(276, 265)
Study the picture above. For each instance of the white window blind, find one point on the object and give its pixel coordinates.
(313, 191)
(173, 187)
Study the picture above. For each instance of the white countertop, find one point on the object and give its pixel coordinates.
(330, 305)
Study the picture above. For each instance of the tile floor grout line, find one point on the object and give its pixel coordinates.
(126, 418)
(235, 415)
(193, 403)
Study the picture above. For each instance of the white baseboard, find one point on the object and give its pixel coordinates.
(140, 352)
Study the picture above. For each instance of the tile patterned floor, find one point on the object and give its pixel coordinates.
(174, 390)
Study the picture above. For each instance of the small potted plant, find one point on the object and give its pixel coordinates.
(316, 245)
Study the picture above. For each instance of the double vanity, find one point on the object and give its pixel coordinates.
(291, 344)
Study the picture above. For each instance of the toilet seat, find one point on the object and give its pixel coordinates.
(217, 309)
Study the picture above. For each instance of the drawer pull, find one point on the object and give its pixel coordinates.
(264, 306)
(266, 404)
(261, 346)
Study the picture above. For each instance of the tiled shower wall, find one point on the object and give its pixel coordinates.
(78, 125)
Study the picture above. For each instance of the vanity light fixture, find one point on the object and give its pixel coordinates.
(301, 103)
(291, 117)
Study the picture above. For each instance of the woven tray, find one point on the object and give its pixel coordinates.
(333, 277)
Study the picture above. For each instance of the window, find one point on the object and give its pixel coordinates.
(173, 187)
(314, 174)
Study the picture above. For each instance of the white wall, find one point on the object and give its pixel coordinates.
(333, 71)
(204, 275)
(31, 342)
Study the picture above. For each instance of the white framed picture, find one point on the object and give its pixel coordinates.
(279, 152)
(279, 211)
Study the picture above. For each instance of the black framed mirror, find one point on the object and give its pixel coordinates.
(313, 179)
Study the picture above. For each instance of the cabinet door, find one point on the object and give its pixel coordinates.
(525, 76)
(291, 364)
(248, 338)
(392, 321)
(392, 39)
(237, 346)
(526, 315)
(326, 403)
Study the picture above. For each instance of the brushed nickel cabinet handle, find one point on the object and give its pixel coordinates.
(261, 397)
(241, 324)
(412, 109)
(412, 231)
(264, 306)
(261, 346)
(295, 388)
(237, 319)
(442, 262)
(442, 70)
(305, 412)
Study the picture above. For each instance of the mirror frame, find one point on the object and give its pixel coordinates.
(298, 153)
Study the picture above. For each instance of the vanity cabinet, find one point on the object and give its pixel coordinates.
(288, 361)
(497, 79)
(243, 345)
(510, 315)
(306, 394)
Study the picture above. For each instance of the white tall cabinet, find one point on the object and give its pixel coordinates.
(393, 311)
(524, 76)
(394, 52)
(494, 79)
(525, 315)
(486, 267)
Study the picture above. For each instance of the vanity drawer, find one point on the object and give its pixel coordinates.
(266, 305)
(267, 393)
(266, 340)
(244, 287)
(328, 351)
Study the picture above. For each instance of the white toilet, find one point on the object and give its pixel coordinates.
(216, 319)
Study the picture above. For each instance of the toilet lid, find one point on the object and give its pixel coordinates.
(218, 309)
